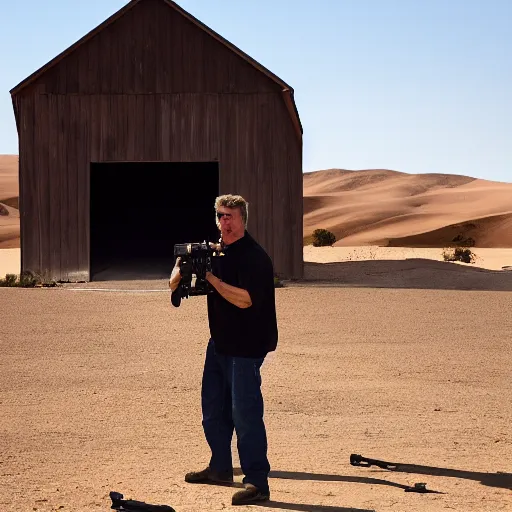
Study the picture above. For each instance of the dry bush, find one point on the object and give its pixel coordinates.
(464, 254)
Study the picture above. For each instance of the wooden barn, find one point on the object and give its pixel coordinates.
(127, 137)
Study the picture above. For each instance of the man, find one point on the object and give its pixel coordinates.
(243, 329)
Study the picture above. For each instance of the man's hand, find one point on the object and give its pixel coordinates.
(175, 278)
(237, 296)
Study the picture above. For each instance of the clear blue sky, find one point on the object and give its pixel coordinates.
(412, 85)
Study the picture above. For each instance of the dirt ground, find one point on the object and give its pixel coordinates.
(100, 392)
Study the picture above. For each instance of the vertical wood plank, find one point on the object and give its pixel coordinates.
(132, 135)
(84, 154)
(116, 60)
(149, 128)
(138, 127)
(61, 168)
(165, 127)
(42, 143)
(29, 192)
(121, 127)
(83, 70)
(54, 184)
(71, 200)
(176, 154)
(102, 114)
(93, 104)
(95, 68)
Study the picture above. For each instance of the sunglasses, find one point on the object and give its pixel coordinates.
(227, 215)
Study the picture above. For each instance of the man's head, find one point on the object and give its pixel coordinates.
(231, 216)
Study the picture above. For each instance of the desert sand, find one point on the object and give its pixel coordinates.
(485, 258)
(383, 207)
(9, 192)
(10, 262)
(101, 392)
(8, 176)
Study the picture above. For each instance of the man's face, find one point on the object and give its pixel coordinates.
(231, 224)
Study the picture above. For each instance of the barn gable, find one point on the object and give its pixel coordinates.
(154, 46)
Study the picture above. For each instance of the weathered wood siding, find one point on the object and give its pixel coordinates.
(153, 86)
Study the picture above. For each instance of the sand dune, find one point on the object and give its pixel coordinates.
(9, 227)
(8, 177)
(9, 191)
(390, 208)
(492, 231)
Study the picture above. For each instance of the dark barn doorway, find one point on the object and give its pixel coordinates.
(140, 210)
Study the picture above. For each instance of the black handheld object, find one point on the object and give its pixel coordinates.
(359, 460)
(196, 260)
(118, 503)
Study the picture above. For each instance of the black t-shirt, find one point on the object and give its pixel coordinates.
(244, 332)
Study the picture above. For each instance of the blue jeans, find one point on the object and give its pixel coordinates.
(231, 400)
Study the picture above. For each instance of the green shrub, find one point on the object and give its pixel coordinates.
(322, 237)
(463, 254)
(27, 280)
(277, 282)
(10, 280)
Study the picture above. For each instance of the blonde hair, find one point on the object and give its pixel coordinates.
(233, 201)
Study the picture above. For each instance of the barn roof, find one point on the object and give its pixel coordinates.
(286, 89)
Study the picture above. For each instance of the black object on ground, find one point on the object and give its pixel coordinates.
(420, 487)
(359, 460)
(118, 503)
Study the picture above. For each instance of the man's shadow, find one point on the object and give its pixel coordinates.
(302, 507)
(498, 480)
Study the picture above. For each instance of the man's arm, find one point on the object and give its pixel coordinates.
(237, 296)
(175, 278)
